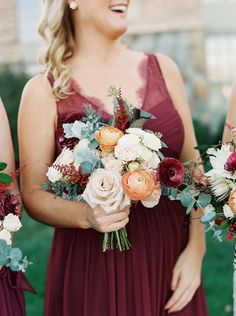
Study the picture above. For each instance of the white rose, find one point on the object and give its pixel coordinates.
(127, 153)
(66, 157)
(136, 131)
(112, 164)
(12, 223)
(53, 174)
(104, 189)
(128, 140)
(6, 235)
(152, 163)
(151, 141)
(227, 211)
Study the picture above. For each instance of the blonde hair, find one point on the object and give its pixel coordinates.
(56, 28)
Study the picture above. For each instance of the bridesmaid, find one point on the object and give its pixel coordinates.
(161, 274)
(12, 284)
(231, 115)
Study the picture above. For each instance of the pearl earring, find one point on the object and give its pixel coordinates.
(73, 5)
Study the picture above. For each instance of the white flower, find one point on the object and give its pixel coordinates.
(208, 209)
(227, 211)
(136, 131)
(218, 159)
(66, 157)
(104, 189)
(127, 153)
(144, 152)
(6, 235)
(150, 161)
(153, 199)
(112, 164)
(11, 223)
(128, 140)
(53, 174)
(219, 184)
(152, 141)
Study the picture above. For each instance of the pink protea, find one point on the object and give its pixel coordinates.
(231, 163)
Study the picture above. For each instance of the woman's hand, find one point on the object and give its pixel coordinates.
(186, 278)
(108, 222)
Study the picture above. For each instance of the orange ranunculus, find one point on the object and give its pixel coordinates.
(232, 201)
(108, 137)
(138, 184)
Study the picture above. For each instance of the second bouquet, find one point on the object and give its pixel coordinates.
(109, 164)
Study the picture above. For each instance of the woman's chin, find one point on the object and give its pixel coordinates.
(117, 30)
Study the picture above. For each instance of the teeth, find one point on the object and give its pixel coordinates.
(121, 8)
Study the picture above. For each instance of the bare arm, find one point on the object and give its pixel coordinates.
(37, 125)
(6, 147)
(231, 116)
(185, 281)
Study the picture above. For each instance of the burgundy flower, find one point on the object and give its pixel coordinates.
(68, 142)
(9, 203)
(231, 163)
(170, 172)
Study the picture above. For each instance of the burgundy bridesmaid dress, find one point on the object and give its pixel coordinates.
(12, 285)
(84, 281)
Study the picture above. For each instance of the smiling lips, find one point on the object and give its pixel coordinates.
(120, 8)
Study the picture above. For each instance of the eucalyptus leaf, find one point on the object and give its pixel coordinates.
(174, 193)
(165, 191)
(218, 235)
(204, 199)
(208, 217)
(186, 199)
(3, 166)
(190, 207)
(16, 254)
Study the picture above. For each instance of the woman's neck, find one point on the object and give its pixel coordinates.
(97, 47)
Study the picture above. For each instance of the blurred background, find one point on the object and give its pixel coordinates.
(200, 35)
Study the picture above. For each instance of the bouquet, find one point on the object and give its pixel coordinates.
(10, 215)
(110, 165)
(186, 183)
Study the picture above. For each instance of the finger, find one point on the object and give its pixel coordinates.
(183, 301)
(175, 279)
(109, 219)
(176, 295)
(118, 226)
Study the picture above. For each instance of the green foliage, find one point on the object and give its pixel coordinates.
(4, 178)
(12, 257)
(3, 166)
(11, 86)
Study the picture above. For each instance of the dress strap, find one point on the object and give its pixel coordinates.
(156, 78)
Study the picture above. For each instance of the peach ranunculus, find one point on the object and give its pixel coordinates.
(232, 201)
(108, 137)
(138, 184)
(153, 199)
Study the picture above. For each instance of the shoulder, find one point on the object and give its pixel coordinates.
(38, 86)
(168, 67)
(37, 95)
